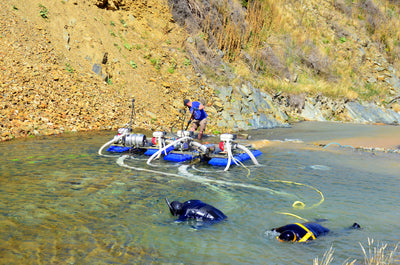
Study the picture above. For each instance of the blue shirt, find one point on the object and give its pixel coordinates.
(197, 114)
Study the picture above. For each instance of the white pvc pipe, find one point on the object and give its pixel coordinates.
(232, 157)
(160, 146)
(200, 179)
(167, 141)
(253, 158)
(165, 148)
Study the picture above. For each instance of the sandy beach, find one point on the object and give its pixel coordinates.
(387, 142)
(385, 137)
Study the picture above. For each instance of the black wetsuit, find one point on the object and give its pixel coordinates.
(198, 211)
(301, 230)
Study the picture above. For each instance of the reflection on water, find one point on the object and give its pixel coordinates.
(62, 203)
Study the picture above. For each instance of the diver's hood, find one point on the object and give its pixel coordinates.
(288, 235)
(175, 207)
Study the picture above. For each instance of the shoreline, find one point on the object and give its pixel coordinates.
(367, 137)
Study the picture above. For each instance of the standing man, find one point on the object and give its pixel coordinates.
(199, 116)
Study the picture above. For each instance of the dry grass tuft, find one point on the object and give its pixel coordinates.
(326, 259)
(379, 254)
(374, 255)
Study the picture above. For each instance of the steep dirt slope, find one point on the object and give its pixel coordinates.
(70, 65)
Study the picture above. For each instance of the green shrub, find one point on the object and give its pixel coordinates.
(133, 64)
(44, 13)
(156, 63)
(187, 62)
(69, 68)
(128, 46)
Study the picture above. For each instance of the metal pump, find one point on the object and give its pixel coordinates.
(159, 138)
(181, 134)
(125, 136)
(229, 144)
(227, 140)
(204, 149)
(135, 140)
(130, 140)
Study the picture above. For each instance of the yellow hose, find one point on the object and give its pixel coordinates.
(299, 204)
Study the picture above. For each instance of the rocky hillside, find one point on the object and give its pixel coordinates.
(75, 65)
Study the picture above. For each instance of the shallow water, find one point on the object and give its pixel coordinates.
(62, 203)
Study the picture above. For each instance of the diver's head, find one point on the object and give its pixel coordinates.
(356, 226)
(175, 207)
(287, 235)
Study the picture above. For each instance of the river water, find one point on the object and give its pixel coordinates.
(63, 203)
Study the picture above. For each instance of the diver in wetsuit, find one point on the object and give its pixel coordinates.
(304, 232)
(195, 210)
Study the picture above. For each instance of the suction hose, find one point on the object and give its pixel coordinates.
(110, 142)
(230, 156)
(160, 147)
(156, 154)
(253, 158)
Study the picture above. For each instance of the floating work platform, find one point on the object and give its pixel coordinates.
(169, 154)
(182, 149)
(181, 156)
(152, 151)
(223, 160)
(118, 149)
